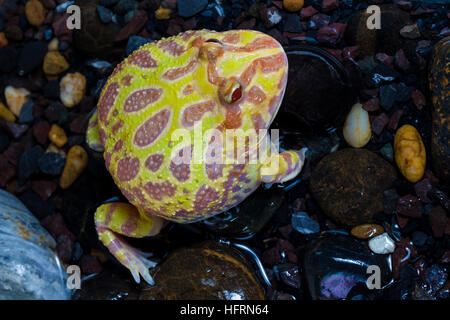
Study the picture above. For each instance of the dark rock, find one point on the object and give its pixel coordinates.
(334, 263)
(390, 197)
(332, 33)
(224, 268)
(410, 31)
(371, 105)
(291, 23)
(394, 92)
(320, 90)
(288, 274)
(96, 38)
(304, 224)
(329, 5)
(108, 3)
(319, 21)
(4, 141)
(385, 59)
(28, 163)
(438, 221)
(409, 206)
(387, 39)
(419, 238)
(379, 123)
(51, 89)
(379, 75)
(418, 99)
(31, 56)
(107, 286)
(14, 33)
(125, 6)
(13, 153)
(52, 163)
(64, 248)
(104, 14)
(439, 76)
(348, 185)
(188, 8)
(8, 59)
(7, 171)
(307, 12)
(422, 188)
(134, 42)
(387, 152)
(90, 265)
(26, 113)
(56, 113)
(55, 224)
(36, 205)
(394, 120)
(271, 17)
(40, 131)
(401, 61)
(43, 188)
(136, 23)
(14, 129)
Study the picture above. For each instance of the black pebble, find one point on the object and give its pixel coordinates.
(4, 141)
(52, 163)
(26, 113)
(36, 205)
(51, 89)
(28, 163)
(8, 59)
(31, 56)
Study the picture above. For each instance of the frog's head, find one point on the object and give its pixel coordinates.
(247, 73)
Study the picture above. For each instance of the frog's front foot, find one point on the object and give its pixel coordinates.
(283, 166)
(115, 219)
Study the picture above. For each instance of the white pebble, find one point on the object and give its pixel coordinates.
(357, 131)
(382, 244)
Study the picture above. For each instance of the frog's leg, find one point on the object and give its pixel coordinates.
(283, 166)
(93, 134)
(117, 218)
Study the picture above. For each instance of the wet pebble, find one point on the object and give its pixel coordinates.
(409, 206)
(57, 135)
(410, 31)
(72, 89)
(31, 56)
(438, 221)
(5, 114)
(380, 74)
(8, 59)
(54, 64)
(44, 188)
(382, 244)
(134, 42)
(419, 238)
(52, 163)
(15, 98)
(366, 231)
(104, 14)
(28, 163)
(410, 154)
(304, 224)
(26, 113)
(357, 131)
(76, 163)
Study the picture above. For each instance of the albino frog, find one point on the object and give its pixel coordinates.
(200, 82)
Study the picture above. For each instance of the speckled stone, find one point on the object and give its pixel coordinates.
(209, 270)
(348, 185)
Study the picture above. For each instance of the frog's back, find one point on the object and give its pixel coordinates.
(175, 84)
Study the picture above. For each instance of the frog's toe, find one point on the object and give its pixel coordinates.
(283, 167)
(115, 219)
(93, 134)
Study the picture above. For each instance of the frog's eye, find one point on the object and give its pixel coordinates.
(231, 90)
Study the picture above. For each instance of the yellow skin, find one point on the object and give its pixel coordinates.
(197, 81)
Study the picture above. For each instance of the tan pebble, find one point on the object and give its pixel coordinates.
(410, 154)
(162, 13)
(72, 89)
(76, 162)
(35, 12)
(57, 135)
(53, 45)
(54, 63)
(366, 231)
(55, 149)
(3, 40)
(357, 131)
(15, 98)
(293, 5)
(5, 114)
